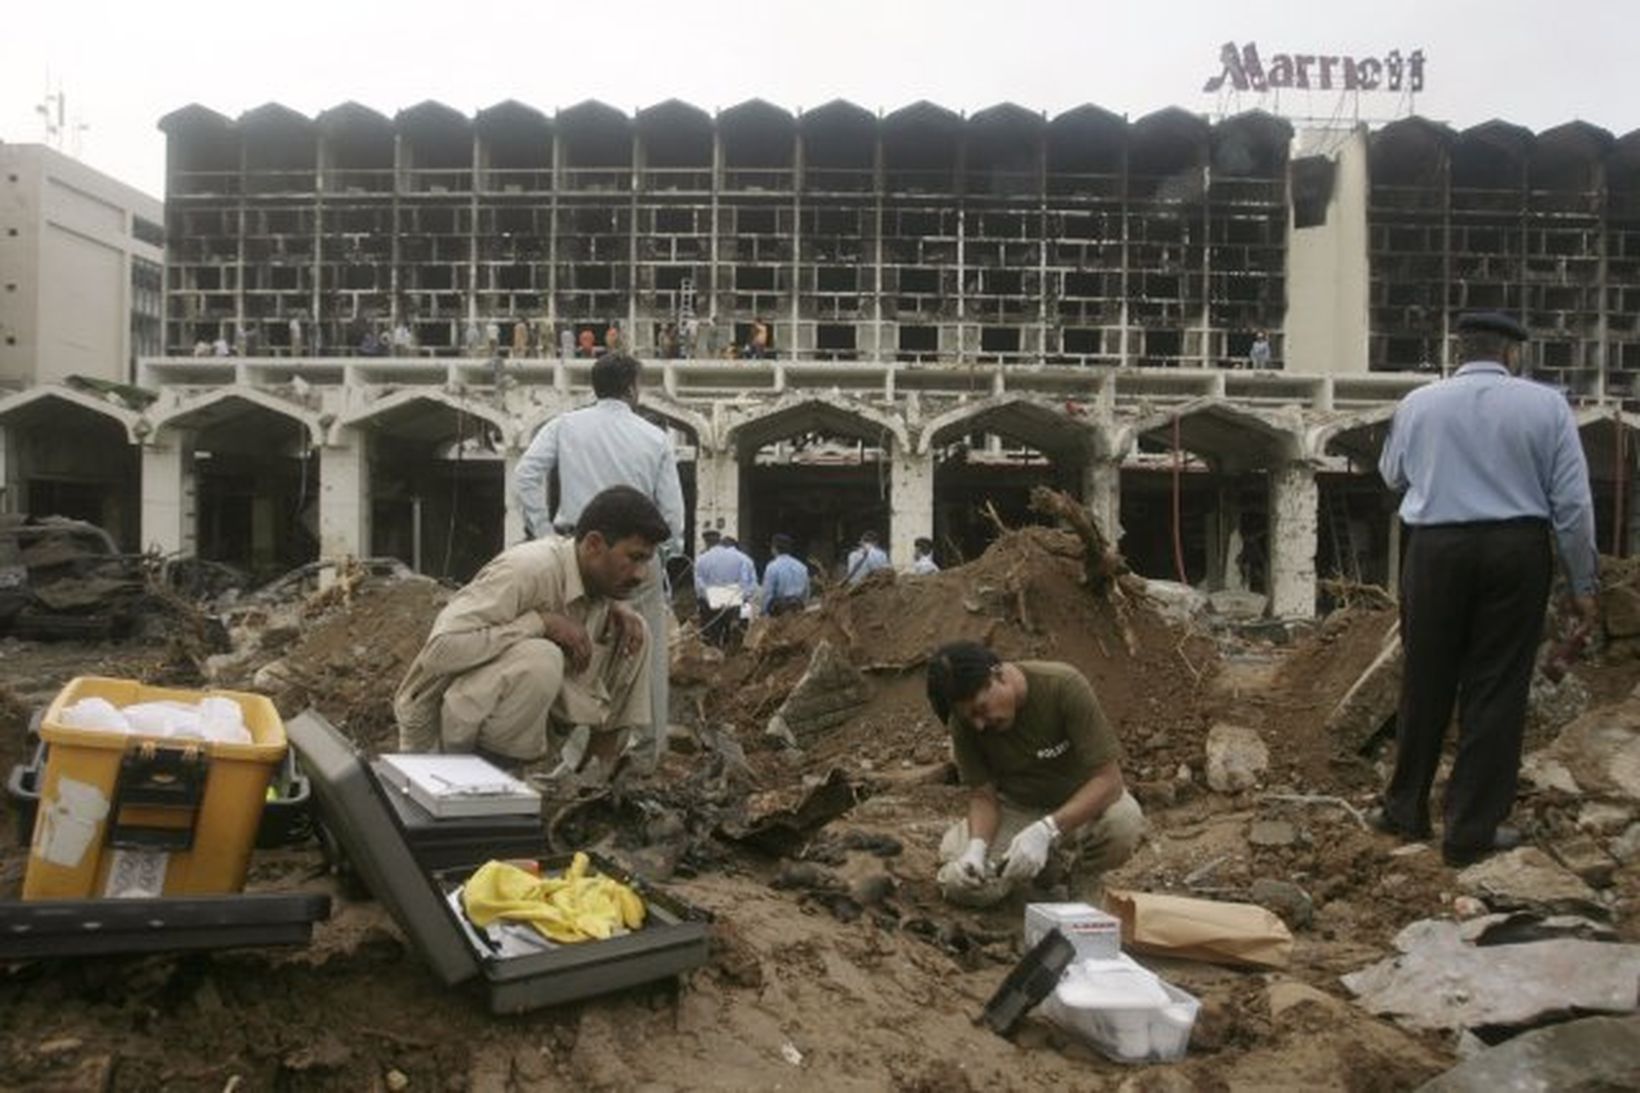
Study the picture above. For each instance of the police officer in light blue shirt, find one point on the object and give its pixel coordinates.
(1491, 470)
(865, 559)
(593, 448)
(785, 579)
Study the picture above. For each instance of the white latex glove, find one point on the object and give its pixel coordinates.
(971, 864)
(1028, 853)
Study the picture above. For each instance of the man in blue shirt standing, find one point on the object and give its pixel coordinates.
(1490, 466)
(865, 559)
(785, 579)
(724, 579)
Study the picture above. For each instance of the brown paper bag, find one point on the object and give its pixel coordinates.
(1238, 934)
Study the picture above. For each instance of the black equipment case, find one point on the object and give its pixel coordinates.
(355, 808)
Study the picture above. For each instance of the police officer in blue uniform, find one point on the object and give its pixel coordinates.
(1492, 472)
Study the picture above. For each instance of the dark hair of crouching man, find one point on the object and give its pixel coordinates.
(541, 634)
(1046, 802)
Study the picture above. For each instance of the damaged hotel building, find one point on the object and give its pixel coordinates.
(365, 319)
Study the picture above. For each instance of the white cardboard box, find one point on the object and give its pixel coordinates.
(1094, 934)
(459, 785)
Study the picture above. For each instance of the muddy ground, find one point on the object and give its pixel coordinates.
(842, 971)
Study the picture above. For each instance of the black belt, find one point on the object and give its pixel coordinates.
(1485, 525)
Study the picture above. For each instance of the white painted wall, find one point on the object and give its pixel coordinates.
(1327, 270)
(66, 249)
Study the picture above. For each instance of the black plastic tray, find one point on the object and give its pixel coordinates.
(354, 807)
(100, 927)
(451, 842)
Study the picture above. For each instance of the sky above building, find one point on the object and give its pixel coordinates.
(121, 68)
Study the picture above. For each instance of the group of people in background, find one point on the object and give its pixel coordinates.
(728, 591)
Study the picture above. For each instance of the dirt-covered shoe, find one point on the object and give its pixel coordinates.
(1379, 820)
(1504, 838)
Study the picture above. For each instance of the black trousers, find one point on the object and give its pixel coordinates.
(1473, 598)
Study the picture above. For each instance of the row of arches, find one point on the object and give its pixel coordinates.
(263, 479)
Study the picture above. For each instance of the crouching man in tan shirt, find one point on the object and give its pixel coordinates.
(541, 633)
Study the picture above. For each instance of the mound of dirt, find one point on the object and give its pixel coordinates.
(349, 664)
(1026, 598)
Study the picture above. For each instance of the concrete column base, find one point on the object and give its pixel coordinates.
(168, 505)
(1293, 502)
(344, 498)
(910, 505)
(717, 494)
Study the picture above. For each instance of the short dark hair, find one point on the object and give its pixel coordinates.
(730, 541)
(923, 543)
(868, 536)
(1483, 345)
(614, 374)
(781, 542)
(956, 672)
(711, 535)
(621, 512)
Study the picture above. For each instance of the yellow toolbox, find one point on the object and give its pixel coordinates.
(133, 815)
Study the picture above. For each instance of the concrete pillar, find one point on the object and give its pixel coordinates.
(910, 503)
(1293, 502)
(1102, 494)
(344, 497)
(513, 531)
(168, 511)
(1328, 281)
(717, 493)
(1224, 537)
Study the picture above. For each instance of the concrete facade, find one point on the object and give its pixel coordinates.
(81, 259)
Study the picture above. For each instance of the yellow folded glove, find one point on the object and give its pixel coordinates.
(573, 907)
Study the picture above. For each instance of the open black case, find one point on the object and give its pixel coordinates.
(355, 807)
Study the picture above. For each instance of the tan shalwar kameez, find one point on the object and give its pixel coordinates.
(487, 678)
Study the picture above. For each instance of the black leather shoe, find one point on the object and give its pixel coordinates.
(1504, 838)
(1379, 821)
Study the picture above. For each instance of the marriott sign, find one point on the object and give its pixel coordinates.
(1243, 70)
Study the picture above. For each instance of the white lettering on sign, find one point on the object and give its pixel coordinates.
(1243, 70)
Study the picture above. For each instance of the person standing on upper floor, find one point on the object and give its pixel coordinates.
(865, 559)
(1493, 477)
(1259, 355)
(593, 448)
(785, 579)
(923, 563)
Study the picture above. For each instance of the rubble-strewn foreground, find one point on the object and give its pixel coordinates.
(807, 817)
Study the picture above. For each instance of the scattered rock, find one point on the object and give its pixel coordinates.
(1585, 857)
(1289, 994)
(1237, 604)
(397, 1081)
(1272, 833)
(1594, 1053)
(1603, 818)
(1519, 926)
(1175, 601)
(1626, 847)
(1438, 981)
(327, 1053)
(830, 692)
(1602, 749)
(1552, 706)
(1544, 772)
(1468, 907)
(1236, 757)
(1528, 879)
(1286, 899)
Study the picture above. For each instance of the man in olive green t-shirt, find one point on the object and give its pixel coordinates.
(1043, 769)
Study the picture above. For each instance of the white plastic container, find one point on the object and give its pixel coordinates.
(1095, 935)
(1124, 1010)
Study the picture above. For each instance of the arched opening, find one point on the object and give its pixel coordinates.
(437, 484)
(97, 478)
(819, 472)
(988, 458)
(1217, 459)
(255, 472)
